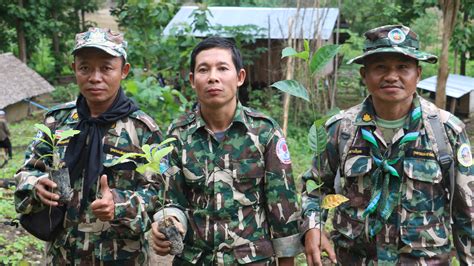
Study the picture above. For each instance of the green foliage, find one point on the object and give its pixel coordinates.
(315, 62)
(162, 103)
(153, 155)
(13, 252)
(42, 61)
(200, 21)
(317, 137)
(52, 20)
(267, 100)
(293, 88)
(52, 140)
(65, 93)
(7, 207)
(143, 22)
(322, 57)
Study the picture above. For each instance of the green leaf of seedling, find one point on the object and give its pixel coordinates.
(311, 186)
(67, 134)
(142, 168)
(45, 130)
(147, 149)
(306, 46)
(126, 156)
(292, 87)
(322, 57)
(166, 141)
(290, 52)
(159, 154)
(317, 138)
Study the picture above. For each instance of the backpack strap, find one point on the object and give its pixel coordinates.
(445, 155)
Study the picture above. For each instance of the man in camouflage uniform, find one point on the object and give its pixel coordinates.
(391, 170)
(107, 216)
(230, 181)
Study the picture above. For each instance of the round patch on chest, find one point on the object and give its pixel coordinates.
(282, 151)
(464, 155)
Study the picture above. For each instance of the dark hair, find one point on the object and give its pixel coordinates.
(217, 42)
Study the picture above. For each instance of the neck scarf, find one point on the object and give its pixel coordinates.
(385, 179)
(85, 149)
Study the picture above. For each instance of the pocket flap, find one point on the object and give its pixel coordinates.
(426, 170)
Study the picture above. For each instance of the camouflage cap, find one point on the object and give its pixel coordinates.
(104, 39)
(393, 39)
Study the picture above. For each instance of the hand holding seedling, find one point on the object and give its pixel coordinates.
(104, 206)
(43, 189)
(160, 243)
(314, 248)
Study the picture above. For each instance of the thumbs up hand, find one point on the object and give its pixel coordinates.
(104, 207)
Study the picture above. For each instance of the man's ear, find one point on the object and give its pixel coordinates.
(125, 70)
(191, 80)
(362, 73)
(419, 70)
(73, 65)
(241, 77)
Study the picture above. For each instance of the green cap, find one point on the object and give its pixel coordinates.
(104, 39)
(393, 39)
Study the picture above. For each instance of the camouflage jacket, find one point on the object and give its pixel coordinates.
(418, 229)
(237, 197)
(85, 238)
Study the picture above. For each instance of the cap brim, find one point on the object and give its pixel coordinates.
(106, 49)
(415, 54)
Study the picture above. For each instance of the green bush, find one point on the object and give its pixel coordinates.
(65, 93)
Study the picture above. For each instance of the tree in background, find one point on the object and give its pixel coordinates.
(450, 9)
(33, 20)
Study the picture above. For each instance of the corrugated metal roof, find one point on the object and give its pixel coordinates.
(456, 86)
(277, 18)
(18, 81)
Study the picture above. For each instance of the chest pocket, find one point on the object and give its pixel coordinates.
(247, 176)
(424, 189)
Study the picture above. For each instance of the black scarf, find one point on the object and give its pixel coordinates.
(81, 155)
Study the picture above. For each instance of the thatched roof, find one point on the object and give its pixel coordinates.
(18, 81)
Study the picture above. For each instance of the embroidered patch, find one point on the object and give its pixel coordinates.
(114, 150)
(366, 117)
(396, 36)
(464, 155)
(421, 153)
(282, 151)
(359, 151)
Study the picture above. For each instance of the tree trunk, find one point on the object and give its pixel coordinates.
(20, 33)
(462, 63)
(450, 8)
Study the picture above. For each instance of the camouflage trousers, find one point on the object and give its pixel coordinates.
(207, 259)
(359, 252)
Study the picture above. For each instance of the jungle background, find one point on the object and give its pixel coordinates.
(41, 33)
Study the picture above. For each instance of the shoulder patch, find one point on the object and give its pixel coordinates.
(464, 155)
(68, 105)
(282, 151)
(145, 119)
